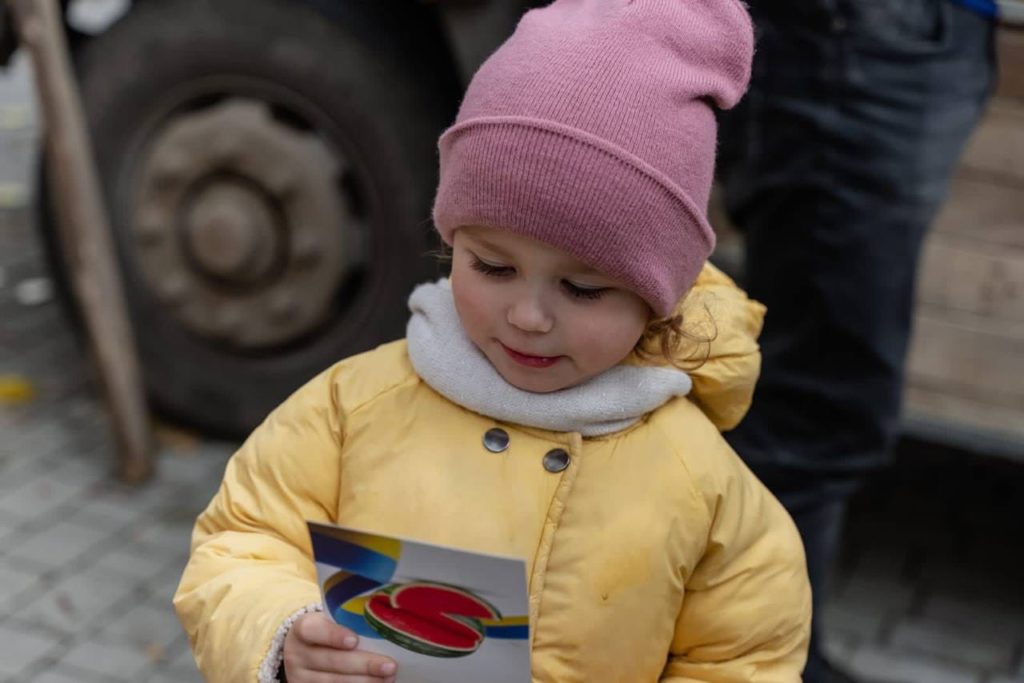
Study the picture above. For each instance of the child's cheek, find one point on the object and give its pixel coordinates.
(607, 336)
(472, 307)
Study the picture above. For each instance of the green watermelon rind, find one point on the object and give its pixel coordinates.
(417, 645)
(410, 643)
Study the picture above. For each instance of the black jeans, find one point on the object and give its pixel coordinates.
(833, 166)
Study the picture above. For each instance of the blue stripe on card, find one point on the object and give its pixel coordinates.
(353, 558)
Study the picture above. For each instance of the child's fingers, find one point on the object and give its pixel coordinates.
(350, 663)
(324, 677)
(320, 630)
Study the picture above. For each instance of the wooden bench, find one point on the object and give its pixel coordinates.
(965, 380)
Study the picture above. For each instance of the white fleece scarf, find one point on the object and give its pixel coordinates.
(447, 360)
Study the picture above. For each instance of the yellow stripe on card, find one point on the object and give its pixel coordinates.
(507, 621)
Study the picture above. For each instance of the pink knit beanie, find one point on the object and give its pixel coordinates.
(592, 129)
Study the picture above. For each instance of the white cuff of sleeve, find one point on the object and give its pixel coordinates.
(275, 655)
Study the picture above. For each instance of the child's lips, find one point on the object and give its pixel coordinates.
(530, 361)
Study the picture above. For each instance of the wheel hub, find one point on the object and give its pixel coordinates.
(240, 227)
(231, 233)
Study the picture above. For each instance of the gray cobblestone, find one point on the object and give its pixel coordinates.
(161, 590)
(20, 648)
(145, 626)
(82, 515)
(43, 444)
(185, 670)
(202, 468)
(177, 676)
(64, 675)
(87, 472)
(119, 662)
(41, 496)
(15, 468)
(118, 504)
(181, 657)
(45, 574)
(188, 502)
(168, 538)
(14, 583)
(132, 562)
(59, 544)
(77, 602)
(7, 527)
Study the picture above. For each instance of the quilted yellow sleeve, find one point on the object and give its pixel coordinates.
(747, 608)
(250, 569)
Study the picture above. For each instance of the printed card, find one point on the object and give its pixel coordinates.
(445, 615)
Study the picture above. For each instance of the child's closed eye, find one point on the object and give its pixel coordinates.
(572, 289)
(486, 268)
(583, 292)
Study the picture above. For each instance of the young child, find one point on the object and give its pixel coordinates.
(538, 407)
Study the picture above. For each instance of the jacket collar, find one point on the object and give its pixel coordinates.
(448, 361)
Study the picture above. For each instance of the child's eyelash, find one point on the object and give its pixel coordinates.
(572, 290)
(583, 292)
(488, 269)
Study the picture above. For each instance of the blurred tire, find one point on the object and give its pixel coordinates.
(365, 91)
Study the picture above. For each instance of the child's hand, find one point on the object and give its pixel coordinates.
(317, 650)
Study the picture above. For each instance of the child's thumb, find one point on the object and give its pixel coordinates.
(319, 629)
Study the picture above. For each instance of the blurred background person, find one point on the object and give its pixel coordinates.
(833, 167)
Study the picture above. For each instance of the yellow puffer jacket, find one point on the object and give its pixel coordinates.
(655, 556)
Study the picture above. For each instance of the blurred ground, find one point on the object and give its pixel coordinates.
(87, 568)
(929, 587)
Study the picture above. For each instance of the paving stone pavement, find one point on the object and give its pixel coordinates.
(928, 589)
(87, 566)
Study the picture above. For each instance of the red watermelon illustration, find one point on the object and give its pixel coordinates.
(430, 618)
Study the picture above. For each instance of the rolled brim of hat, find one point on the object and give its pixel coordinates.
(579, 193)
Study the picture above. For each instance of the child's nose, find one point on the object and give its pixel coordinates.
(529, 315)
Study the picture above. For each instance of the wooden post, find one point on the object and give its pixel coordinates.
(85, 232)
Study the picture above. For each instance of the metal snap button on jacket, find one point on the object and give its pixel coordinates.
(556, 460)
(496, 440)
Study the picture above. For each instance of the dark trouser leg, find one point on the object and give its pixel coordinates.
(834, 166)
